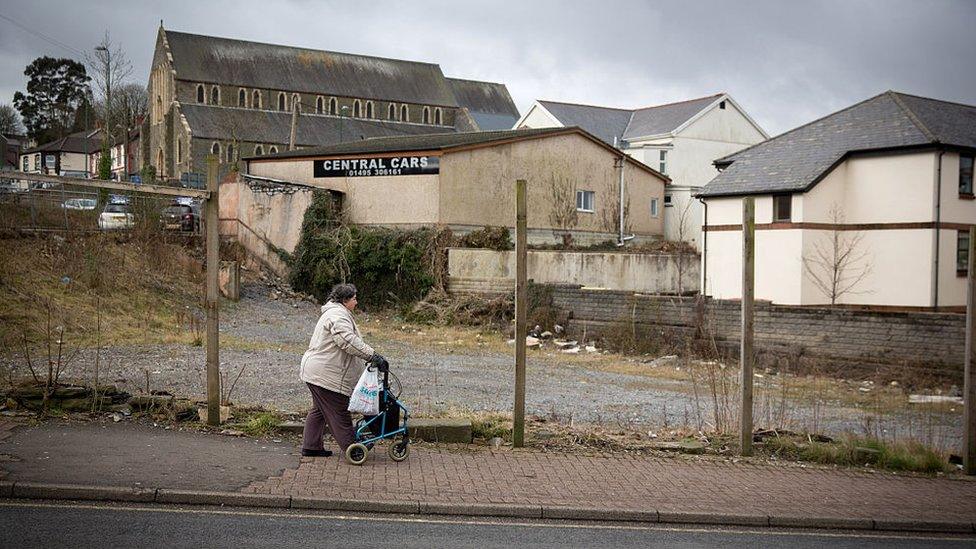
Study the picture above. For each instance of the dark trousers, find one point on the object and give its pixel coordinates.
(328, 408)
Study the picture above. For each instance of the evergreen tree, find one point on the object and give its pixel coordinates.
(55, 89)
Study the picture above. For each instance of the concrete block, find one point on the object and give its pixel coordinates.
(923, 525)
(837, 523)
(441, 430)
(193, 497)
(411, 507)
(593, 513)
(30, 490)
(291, 427)
(714, 518)
(481, 509)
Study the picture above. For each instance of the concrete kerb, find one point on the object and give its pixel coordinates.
(28, 490)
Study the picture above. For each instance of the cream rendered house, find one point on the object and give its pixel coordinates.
(882, 189)
(680, 140)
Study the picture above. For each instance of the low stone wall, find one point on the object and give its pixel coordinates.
(489, 271)
(901, 338)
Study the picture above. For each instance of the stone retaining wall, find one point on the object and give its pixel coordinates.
(904, 338)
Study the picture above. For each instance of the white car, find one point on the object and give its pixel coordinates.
(79, 204)
(115, 216)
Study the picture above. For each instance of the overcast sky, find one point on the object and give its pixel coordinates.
(785, 62)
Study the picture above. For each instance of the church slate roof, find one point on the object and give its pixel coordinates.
(257, 65)
(258, 126)
(488, 103)
(628, 124)
(797, 160)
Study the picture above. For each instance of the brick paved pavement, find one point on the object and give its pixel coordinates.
(631, 483)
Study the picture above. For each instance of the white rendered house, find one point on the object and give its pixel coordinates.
(877, 197)
(680, 140)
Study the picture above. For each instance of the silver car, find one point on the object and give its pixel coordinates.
(115, 216)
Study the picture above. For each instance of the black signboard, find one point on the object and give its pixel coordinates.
(372, 167)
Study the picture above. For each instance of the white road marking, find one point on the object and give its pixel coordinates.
(467, 522)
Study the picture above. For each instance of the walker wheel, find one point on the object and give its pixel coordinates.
(356, 453)
(400, 450)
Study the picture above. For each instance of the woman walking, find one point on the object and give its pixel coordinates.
(331, 366)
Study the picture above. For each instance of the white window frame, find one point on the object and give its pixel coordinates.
(273, 150)
(357, 109)
(581, 201)
(201, 94)
(240, 103)
(212, 90)
(215, 149)
(391, 111)
(426, 116)
(663, 161)
(282, 102)
(333, 106)
(438, 117)
(256, 99)
(370, 111)
(320, 105)
(404, 113)
(655, 208)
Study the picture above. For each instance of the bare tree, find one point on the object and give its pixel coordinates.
(610, 213)
(110, 68)
(10, 120)
(839, 263)
(131, 104)
(563, 215)
(683, 229)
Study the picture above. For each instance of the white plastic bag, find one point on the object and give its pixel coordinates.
(365, 397)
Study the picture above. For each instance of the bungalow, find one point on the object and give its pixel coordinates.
(869, 206)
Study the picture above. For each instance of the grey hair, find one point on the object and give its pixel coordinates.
(342, 293)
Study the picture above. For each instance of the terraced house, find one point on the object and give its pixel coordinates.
(234, 98)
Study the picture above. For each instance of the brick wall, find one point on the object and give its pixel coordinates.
(852, 337)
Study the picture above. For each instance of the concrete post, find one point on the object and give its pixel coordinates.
(211, 212)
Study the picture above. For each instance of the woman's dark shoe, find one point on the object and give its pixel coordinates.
(316, 453)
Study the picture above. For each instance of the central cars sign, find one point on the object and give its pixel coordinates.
(371, 167)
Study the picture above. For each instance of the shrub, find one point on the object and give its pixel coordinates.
(492, 238)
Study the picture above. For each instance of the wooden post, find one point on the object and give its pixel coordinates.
(748, 296)
(521, 302)
(969, 394)
(213, 296)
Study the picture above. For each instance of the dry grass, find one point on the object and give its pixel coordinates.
(137, 290)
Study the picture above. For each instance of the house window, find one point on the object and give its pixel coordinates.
(242, 98)
(426, 118)
(391, 112)
(200, 93)
(722, 105)
(667, 201)
(369, 109)
(319, 102)
(654, 207)
(355, 108)
(230, 153)
(962, 253)
(404, 113)
(782, 207)
(663, 162)
(258, 150)
(273, 150)
(281, 101)
(256, 99)
(437, 116)
(584, 201)
(296, 102)
(215, 95)
(179, 151)
(966, 175)
(215, 149)
(333, 106)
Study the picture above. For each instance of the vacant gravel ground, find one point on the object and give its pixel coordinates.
(267, 337)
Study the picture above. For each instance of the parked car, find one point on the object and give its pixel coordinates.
(181, 216)
(79, 204)
(116, 216)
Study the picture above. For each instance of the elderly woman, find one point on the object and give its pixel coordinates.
(331, 366)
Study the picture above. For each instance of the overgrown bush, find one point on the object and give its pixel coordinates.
(387, 265)
(492, 238)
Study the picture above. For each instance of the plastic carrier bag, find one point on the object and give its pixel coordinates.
(365, 397)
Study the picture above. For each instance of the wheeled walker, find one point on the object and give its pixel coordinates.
(389, 423)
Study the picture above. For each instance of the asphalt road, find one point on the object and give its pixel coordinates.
(61, 524)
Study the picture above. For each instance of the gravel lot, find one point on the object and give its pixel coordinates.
(268, 337)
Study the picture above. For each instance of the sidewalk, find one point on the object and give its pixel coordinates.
(474, 481)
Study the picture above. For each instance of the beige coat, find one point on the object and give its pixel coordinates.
(337, 353)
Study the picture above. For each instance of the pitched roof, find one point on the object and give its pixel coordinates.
(488, 103)
(443, 142)
(608, 123)
(258, 126)
(603, 122)
(796, 160)
(87, 141)
(256, 65)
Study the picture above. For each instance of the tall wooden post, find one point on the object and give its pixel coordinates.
(969, 415)
(748, 297)
(211, 220)
(521, 303)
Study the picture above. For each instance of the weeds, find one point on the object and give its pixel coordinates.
(261, 424)
(854, 451)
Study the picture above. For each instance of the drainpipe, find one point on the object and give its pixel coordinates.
(704, 263)
(938, 230)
